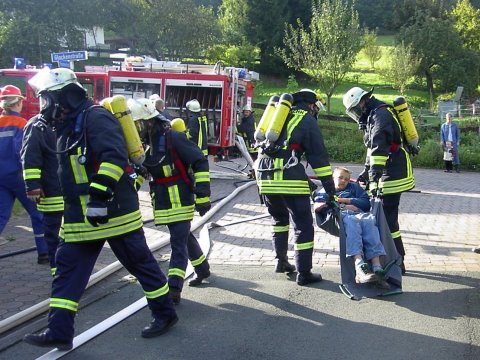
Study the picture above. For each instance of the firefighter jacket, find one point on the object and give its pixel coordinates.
(11, 133)
(277, 171)
(180, 175)
(40, 164)
(197, 131)
(385, 151)
(246, 128)
(93, 160)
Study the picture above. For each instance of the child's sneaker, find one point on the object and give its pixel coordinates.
(364, 274)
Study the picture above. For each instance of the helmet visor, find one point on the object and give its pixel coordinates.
(355, 112)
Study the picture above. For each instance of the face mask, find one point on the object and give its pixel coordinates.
(50, 106)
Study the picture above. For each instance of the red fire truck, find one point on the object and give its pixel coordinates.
(221, 91)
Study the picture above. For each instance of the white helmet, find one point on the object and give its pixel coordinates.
(142, 109)
(247, 108)
(154, 97)
(351, 99)
(194, 106)
(53, 79)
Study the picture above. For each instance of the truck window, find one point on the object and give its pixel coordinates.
(18, 81)
(134, 87)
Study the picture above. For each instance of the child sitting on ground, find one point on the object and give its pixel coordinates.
(362, 235)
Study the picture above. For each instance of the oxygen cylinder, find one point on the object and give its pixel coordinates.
(406, 120)
(262, 126)
(120, 110)
(279, 116)
(106, 104)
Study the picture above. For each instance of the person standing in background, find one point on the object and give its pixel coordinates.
(449, 132)
(12, 185)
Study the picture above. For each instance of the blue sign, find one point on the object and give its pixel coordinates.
(70, 56)
(64, 64)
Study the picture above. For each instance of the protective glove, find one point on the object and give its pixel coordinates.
(203, 207)
(97, 211)
(363, 176)
(140, 170)
(375, 175)
(35, 195)
(413, 150)
(331, 200)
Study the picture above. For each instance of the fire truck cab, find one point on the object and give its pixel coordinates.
(221, 91)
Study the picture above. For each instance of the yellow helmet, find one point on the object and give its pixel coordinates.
(178, 124)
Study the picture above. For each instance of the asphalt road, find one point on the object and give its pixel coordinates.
(249, 312)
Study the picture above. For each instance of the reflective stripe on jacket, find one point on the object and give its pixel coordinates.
(102, 143)
(40, 164)
(383, 134)
(302, 132)
(181, 176)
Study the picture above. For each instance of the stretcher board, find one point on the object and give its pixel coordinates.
(390, 262)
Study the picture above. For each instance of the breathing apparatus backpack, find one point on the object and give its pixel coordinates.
(272, 122)
(408, 126)
(117, 105)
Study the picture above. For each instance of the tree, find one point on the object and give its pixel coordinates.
(402, 67)
(259, 23)
(466, 22)
(372, 51)
(437, 43)
(33, 29)
(327, 49)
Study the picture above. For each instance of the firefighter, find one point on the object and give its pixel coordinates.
(283, 182)
(197, 126)
(12, 185)
(246, 127)
(180, 184)
(387, 164)
(40, 166)
(101, 204)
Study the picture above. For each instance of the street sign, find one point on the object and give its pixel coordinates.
(70, 56)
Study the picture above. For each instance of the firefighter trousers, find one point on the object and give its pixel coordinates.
(14, 188)
(52, 221)
(75, 262)
(298, 208)
(391, 203)
(184, 247)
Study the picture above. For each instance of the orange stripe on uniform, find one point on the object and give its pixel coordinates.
(12, 120)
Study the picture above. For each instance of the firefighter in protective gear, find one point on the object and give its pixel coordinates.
(180, 185)
(246, 127)
(388, 168)
(101, 204)
(40, 167)
(197, 126)
(11, 181)
(285, 186)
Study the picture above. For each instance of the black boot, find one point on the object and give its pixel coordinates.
(305, 278)
(456, 168)
(45, 340)
(197, 279)
(159, 327)
(283, 266)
